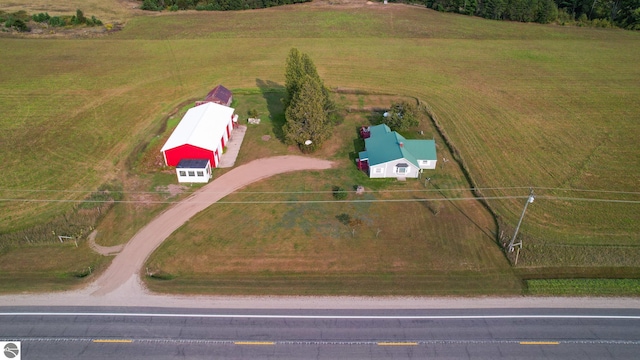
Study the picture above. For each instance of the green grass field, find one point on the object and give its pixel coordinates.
(526, 105)
(364, 246)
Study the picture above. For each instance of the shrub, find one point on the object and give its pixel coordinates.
(339, 193)
(79, 18)
(106, 193)
(564, 17)
(56, 21)
(345, 219)
(41, 18)
(583, 20)
(403, 115)
(21, 26)
(17, 24)
(152, 5)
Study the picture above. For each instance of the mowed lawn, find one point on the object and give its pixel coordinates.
(526, 105)
(289, 235)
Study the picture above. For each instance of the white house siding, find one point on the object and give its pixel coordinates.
(194, 175)
(427, 164)
(377, 171)
(389, 170)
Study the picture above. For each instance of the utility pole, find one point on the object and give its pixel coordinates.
(529, 201)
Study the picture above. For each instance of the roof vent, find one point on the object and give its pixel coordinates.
(401, 144)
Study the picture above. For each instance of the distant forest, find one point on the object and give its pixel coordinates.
(597, 13)
(213, 5)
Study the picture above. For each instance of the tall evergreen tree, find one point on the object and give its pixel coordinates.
(305, 117)
(307, 103)
(293, 75)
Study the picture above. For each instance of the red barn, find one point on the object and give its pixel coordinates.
(202, 133)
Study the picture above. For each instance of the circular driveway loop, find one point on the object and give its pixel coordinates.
(125, 268)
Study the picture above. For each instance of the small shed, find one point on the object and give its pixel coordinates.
(388, 154)
(219, 95)
(194, 171)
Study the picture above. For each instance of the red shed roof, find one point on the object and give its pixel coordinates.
(220, 95)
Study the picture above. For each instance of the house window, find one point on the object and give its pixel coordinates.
(192, 173)
(183, 173)
(378, 170)
(200, 173)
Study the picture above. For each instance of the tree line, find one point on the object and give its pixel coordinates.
(213, 5)
(600, 13)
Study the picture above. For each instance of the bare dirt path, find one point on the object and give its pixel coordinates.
(102, 250)
(129, 262)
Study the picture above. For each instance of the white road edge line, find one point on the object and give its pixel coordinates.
(345, 317)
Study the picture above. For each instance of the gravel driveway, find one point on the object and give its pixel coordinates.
(129, 262)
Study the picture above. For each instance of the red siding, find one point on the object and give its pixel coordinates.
(187, 151)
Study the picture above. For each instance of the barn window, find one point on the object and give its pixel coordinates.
(192, 173)
(200, 173)
(183, 173)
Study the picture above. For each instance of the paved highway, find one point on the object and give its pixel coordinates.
(161, 333)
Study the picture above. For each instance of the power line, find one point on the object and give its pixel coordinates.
(331, 191)
(323, 201)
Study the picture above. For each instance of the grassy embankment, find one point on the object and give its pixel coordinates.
(525, 104)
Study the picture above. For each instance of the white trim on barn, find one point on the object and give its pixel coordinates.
(193, 171)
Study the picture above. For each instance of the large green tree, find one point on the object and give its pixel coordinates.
(307, 103)
(307, 124)
(403, 115)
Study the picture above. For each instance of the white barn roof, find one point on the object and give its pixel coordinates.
(201, 126)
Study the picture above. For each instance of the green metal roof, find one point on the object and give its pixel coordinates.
(384, 145)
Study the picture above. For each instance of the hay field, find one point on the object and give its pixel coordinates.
(527, 105)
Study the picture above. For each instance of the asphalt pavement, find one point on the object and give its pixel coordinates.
(161, 333)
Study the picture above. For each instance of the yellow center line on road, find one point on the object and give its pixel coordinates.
(125, 341)
(254, 343)
(397, 344)
(539, 343)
